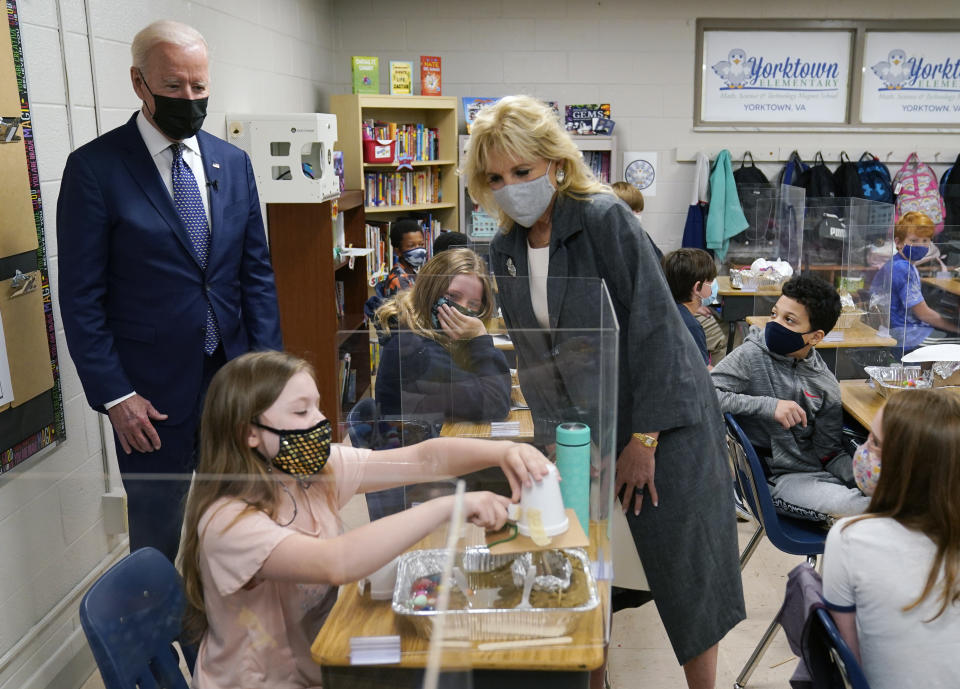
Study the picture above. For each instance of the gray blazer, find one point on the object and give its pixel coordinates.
(661, 376)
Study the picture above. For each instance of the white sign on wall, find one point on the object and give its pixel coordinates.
(775, 76)
(911, 78)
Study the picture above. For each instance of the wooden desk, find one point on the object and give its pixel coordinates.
(946, 284)
(725, 289)
(861, 401)
(737, 304)
(471, 429)
(860, 335)
(353, 616)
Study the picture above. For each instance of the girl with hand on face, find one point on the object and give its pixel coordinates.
(561, 234)
(439, 362)
(264, 548)
(891, 578)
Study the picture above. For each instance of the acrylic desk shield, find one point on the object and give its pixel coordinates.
(514, 384)
(847, 241)
(762, 257)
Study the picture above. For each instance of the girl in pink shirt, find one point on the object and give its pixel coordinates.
(264, 549)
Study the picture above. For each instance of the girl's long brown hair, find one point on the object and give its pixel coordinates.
(919, 482)
(412, 308)
(228, 467)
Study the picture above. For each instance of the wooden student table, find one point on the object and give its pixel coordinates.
(738, 304)
(860, 335)
(862, 402)
(552, 667)
(946, 284)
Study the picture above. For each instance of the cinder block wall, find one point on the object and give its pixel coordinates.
(637, 55)
(267, 56)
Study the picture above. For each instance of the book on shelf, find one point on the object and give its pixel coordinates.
(366, 74)
(350, 387)
(380, 261)
(401, 78)
(585, 120)
(402, 188)
(599, 164)
(343, 373)
(471, 106)
(430, 75)
(340, 297)
(416, 140)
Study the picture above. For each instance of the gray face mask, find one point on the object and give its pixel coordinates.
(525, 202)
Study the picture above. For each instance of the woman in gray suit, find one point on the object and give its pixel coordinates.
(557, 224)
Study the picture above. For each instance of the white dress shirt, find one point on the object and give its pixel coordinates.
(159, 148)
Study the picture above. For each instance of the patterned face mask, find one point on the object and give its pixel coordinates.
(304, 452)
(435, 311)
(866, 469)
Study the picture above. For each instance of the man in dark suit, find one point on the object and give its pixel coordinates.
(164, 274)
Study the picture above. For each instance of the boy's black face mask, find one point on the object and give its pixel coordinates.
(781, 340)
(178, 118)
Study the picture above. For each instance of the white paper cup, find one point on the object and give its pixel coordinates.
(544, 496)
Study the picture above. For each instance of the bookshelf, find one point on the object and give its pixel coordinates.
(306, 275)
(439, 112)
(481, 228)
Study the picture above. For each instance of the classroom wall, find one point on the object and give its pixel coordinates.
(266, 56)
(638, 55)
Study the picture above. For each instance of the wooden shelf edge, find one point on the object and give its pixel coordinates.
(415, 163)
(415, 207)
(349, 199)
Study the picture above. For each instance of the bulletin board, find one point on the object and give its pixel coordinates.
(31, 405)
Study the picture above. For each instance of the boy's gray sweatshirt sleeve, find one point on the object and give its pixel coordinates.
(735, 373)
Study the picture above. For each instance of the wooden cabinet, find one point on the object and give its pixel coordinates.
(439, 112)
(301, 249)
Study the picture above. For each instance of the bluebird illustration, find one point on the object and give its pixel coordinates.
(893, 72)
(733, 70)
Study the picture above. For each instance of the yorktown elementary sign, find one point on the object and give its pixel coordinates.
(775, 76)
(911, 78)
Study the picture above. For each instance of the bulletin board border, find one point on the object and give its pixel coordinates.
(56, 430)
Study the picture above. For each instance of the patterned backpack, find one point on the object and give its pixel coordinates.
(915, 185)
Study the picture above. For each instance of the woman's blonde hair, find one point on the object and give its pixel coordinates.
(228, 467)
(412, 309)
(916, 223)
(523, 128)
(919, 482)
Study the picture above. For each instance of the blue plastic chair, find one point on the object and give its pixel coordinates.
(790, 535)
(840, 654)
(131, 617)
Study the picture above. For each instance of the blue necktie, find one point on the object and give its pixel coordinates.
(189, 203)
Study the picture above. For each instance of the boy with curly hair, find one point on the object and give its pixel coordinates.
(788, 403)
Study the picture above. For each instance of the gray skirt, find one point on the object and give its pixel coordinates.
(688, 544)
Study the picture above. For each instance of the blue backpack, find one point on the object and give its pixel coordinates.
(874, 179)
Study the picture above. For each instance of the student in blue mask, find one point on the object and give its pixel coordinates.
(911, 319)
(406, 237)
(438, 362)
(788, 403)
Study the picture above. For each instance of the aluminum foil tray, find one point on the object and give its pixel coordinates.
(485, 624)
(890, 379)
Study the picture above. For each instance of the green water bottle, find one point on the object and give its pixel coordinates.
(573, 461)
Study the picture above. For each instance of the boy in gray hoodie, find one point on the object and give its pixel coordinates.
(788, 403)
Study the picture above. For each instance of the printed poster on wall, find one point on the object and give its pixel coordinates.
(775, 76)
(911, 78)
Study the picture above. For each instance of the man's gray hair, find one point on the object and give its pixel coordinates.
(163, 31)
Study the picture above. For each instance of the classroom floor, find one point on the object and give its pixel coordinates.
(640, 654)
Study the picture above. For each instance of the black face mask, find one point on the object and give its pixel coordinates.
(782, 340)
(435, 311)
(178, 118)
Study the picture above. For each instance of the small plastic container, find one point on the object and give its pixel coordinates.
(378, 150)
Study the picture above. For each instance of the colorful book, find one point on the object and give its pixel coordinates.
(366, 74)
(401, 78)
(429, 75)
(471, 106)
(585, 120)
